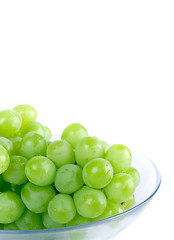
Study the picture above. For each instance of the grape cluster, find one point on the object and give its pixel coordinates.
(51, 184)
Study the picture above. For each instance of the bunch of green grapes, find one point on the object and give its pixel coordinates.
(53, 184)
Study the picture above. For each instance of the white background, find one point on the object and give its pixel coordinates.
(105, 64)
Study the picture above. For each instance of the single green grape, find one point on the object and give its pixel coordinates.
(11, 226)
(33, 144)
(135, 175)
(89, 202)
(120, 157)
(48, 133)
(30, 221)
(97, 173)
(10, 123)
(40, 171)
(49, 223)
(120, 188)
(61, 153)
(68, 178)
(27, 112)
(73, 133)
(11, 207)
(33, 127)
(16, 144)
(7, 144)
(15, 173)
(129, 203)
(87, 149)
(36, 198)
(61, 209)
(78, 220)
(112, 209)
(4, 159)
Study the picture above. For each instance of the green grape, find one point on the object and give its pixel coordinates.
(69, 178)
(129, 203)
(15, 173)
(16, 144)
(4, 159)
(61, 209)
(36, 198)
(97, 173)
(112, 209)
(90, 203)
(49, 223)
(78, 220)
(33, 144)
(61, 153)
(10, 123)
(27, 112)
(7, 144)
(73, 133)
(29, 221)
(120, 157)
(33, 127)
(40, 171)
(11, 226)
(87, 149)
(120, 188)
(1, 181)
(134, 174)
(48, 133)
(105, 146)
(11, 207)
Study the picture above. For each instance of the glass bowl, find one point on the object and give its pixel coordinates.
(107, 228)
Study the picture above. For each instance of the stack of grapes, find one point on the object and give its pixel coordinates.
(51, 184)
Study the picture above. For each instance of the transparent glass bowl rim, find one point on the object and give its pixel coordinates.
(92, 224)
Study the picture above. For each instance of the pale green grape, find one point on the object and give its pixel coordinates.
(89, 202)
(61, 208)
(135, 175)
(61, 153)
(73, 133)
(97, 173)
(40, 171)
(15, 173)
(4, 159)
(49, 223)
(33, 127)
(36, 198)
(120, 188)
(29, 221)
(68, 178)
(10, 123)
(87, 149)
(112, 209)
(33, 144)
(16, 144)
(11, 226)
(7, 144)
(78, 220)
(120, 157)
(27, 112)
(48, 133)
(11, 207)
(129, 203)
